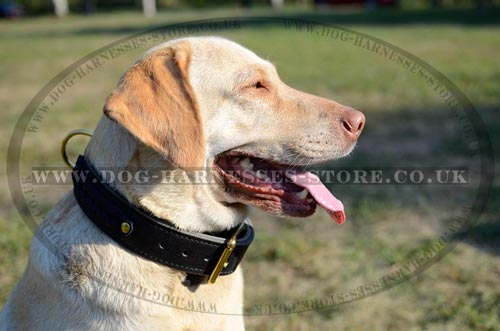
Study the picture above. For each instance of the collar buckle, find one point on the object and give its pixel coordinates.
(222, 262)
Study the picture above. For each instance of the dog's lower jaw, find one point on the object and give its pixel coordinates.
(192, 210)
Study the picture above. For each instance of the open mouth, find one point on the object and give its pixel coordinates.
(276, 188)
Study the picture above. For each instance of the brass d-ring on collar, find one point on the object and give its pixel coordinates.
(65, 141)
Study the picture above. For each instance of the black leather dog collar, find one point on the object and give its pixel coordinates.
(153, 238)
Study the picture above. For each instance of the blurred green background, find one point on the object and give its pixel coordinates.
(407, 124)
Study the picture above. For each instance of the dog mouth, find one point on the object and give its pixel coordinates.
(280, 189)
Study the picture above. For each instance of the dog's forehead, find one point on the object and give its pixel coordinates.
(225, 58)
(217, 51)
(223, 49)
(211, 46)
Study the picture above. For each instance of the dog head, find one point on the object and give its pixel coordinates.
(209, 102)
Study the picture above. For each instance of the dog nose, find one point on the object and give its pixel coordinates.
(353, 122)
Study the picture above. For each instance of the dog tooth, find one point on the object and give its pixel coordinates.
(235, 160)
(246, 164)
(302, 194)
(309, 200)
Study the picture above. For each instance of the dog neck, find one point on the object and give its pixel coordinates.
(191, 207)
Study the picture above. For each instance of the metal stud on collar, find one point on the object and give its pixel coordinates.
(65, 141)
(126, 227)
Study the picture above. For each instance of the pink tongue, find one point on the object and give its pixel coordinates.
(320, 193)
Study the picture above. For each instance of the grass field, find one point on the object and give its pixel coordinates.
(299, 259)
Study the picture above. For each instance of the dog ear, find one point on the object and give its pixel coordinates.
(156, 103)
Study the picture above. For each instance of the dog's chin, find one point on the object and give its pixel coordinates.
(263, 184)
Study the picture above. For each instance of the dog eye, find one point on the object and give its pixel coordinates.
(258, 85)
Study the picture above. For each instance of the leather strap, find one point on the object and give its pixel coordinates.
(153, 238)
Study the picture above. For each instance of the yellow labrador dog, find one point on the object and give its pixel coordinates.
(204, 103)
